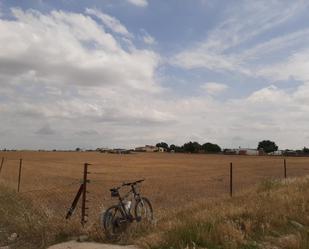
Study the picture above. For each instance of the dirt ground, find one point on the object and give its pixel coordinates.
(172, 180)
(77, 245)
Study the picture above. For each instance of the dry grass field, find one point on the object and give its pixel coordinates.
(172, 180)
(177, 185)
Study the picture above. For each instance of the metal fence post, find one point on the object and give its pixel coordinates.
(284, 167)
(231, 179)
(2, 161)
(75, 201)
(84, 194)
(19, 174)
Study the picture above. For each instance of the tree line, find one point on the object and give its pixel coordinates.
(267, 146)
(191, 147)
(270, 146)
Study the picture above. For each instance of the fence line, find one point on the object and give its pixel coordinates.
(49, 189)
(58, 191)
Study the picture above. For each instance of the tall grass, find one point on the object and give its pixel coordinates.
(35, 226)
(274, 215)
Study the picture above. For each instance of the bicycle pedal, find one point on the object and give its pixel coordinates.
(138, 219)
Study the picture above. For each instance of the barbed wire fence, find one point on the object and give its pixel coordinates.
(56, 191)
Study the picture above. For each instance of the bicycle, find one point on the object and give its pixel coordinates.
(117, 217)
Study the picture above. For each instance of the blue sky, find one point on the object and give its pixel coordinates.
(123, 73)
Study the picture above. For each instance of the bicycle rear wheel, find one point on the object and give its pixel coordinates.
(143, 210)
(114, 222)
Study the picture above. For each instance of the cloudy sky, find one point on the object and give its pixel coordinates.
(122, 73)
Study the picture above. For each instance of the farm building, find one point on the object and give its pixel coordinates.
(147, 148)
(248, 152)
(103, 150)
(119, 151)
(244, 152)
(276, 153)
(229, 152)
(294, 153)
(113, 151)
(161, 149)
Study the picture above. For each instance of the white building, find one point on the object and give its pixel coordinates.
(147, 148)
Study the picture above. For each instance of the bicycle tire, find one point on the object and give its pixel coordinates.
(143, 203)
(113, 224)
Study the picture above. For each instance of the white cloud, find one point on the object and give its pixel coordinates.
(295, 66)
(65, 75)
(214, 88)
(139, 3)
(110, 22)
(148, 39)
(270, 95)
(230, 46)
(63, 68)
(45, 130)
(84, 54)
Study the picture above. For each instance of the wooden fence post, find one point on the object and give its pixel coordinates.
(231, 179)
(2, 161)
(19, 174)
(84, 194)
(284, 167)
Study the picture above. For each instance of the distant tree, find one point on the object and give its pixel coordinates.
(163, 145)
(268, 146)
(176, 148)
(306, 150)
(192, 147)
(77, 149)
(211, 148)
(173, 147)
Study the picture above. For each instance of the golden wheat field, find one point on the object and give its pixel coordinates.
(172, 180)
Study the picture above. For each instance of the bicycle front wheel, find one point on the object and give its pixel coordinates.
(143, 210)
(114, 222)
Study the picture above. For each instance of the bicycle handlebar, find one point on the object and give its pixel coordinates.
(116, 188)
(126, 184)
(132, 183)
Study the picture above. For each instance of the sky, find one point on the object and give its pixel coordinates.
(124, 73)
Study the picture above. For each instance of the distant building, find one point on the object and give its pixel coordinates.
(147, 148)
(252, 152)
(276, 153)
(244, 152)
(114, 151)
(229, 152)
(161, 149)
(293, 153)
(103, 150)
(119, 151)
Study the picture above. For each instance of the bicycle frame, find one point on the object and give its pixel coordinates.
(118, 216)
(121, 203)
